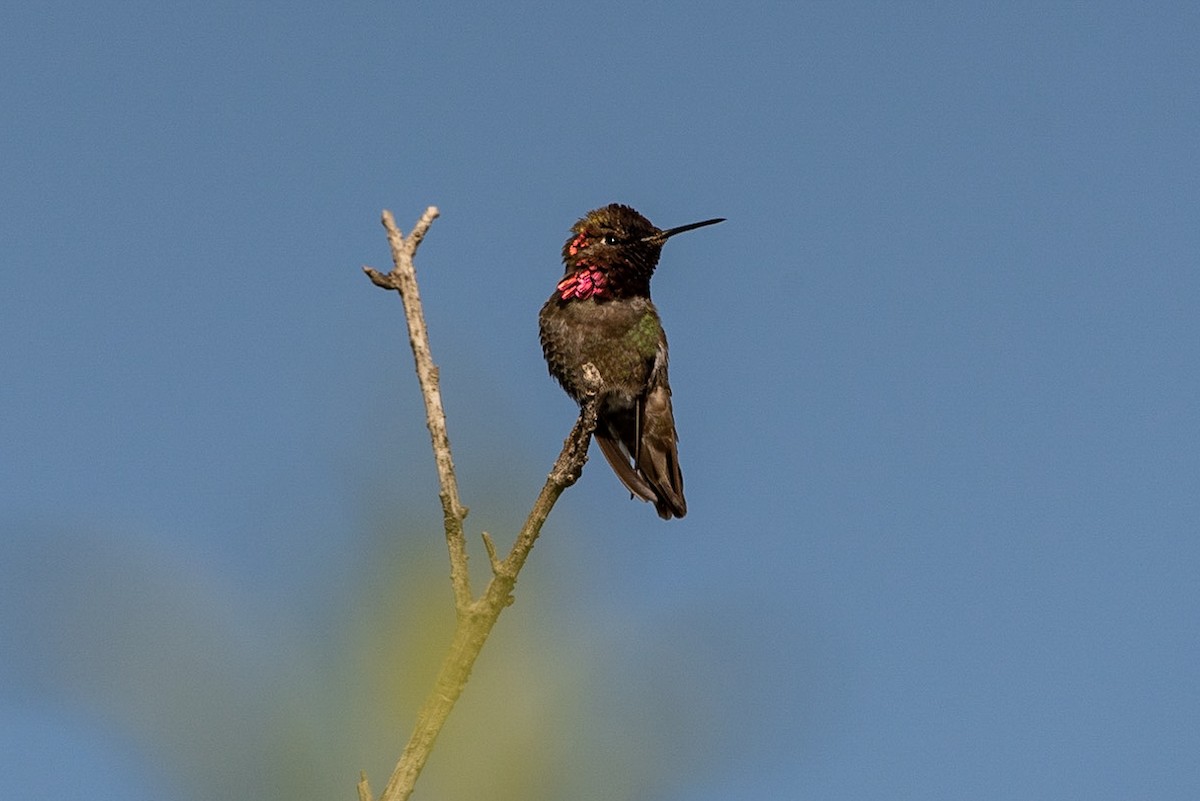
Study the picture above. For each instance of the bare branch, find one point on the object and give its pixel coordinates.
(475, 618)
(566, 471)
(473, 629)
(403, 279)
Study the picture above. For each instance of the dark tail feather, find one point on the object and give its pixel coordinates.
(621, 464)
(658, 458)
(644, 456)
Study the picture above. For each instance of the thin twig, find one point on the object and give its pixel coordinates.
(490, 547)
(364, 787)
(403, 279)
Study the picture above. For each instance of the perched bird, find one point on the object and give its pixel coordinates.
(601, 313)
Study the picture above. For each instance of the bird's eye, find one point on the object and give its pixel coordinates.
(609, 239)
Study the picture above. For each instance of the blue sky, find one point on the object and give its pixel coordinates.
(935, 380)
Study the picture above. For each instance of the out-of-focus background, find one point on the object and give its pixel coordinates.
(936, 383)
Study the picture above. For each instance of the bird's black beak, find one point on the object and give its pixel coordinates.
(663, 236)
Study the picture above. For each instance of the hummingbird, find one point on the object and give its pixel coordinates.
(601, 313)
